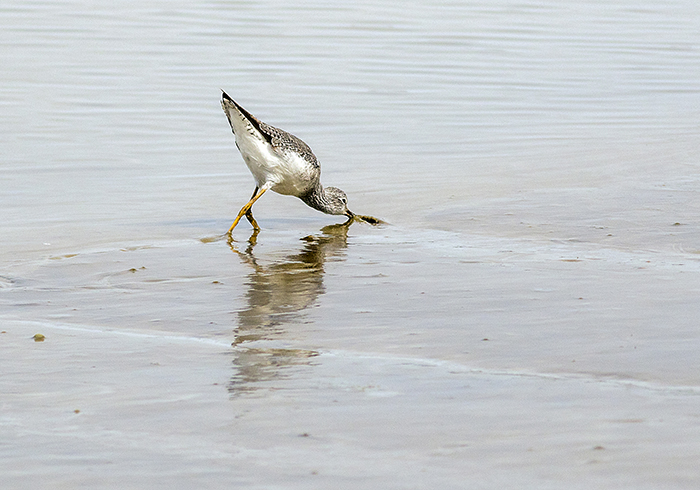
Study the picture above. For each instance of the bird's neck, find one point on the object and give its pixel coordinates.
(317, 199)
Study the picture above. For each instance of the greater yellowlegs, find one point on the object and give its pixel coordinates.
(279, 161)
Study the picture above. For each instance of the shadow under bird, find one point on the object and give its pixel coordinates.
(281, 162)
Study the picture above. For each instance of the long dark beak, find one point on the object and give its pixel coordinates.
(349, 214)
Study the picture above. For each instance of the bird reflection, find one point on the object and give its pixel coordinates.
(278, 294)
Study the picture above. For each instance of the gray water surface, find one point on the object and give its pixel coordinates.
(528, 319)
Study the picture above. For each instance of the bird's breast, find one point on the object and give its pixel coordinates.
(293, 175)
(287, 172)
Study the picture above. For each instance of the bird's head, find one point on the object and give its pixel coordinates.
(337, 202)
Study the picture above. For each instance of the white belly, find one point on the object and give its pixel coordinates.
(287, 172)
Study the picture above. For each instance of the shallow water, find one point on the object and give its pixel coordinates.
(527, 317)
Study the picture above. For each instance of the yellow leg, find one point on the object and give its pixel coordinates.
(252, 221)
(246, 209)
(249, 214)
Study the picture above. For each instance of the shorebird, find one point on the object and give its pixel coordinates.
(281, 162)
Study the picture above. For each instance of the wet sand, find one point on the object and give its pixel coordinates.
(454, 358)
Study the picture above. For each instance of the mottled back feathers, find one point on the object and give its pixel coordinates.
(279, 139)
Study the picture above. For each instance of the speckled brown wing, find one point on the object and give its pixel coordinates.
(284, 141)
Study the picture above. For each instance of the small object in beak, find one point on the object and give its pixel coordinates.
(370, 219)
